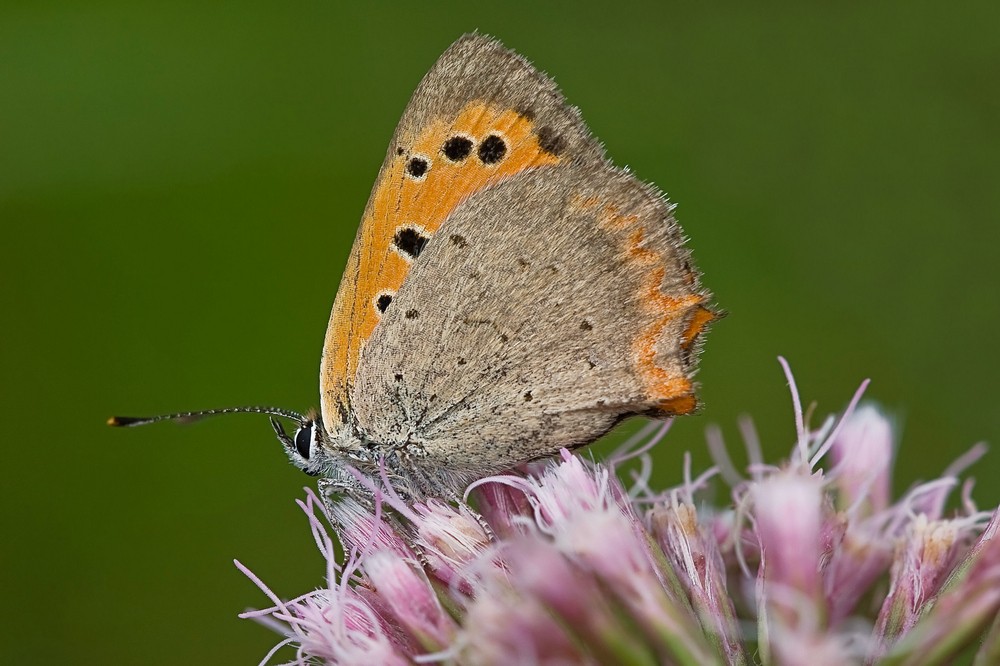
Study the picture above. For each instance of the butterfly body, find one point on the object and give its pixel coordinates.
(510, 292)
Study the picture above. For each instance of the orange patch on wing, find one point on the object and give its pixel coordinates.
(669, 388)
(661, 383)
(636, 250)
(699, 320)
(685, 404)
(399, 199)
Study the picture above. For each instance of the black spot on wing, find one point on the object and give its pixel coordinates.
(551, 141)
(457, 148)
(417, 167)
(492, 149)
(410, 242)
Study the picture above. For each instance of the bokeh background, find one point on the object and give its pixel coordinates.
(180, 183)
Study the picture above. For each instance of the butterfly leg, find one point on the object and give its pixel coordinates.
(429, 485)
(328, 490)
(490, 534)
(331, 489)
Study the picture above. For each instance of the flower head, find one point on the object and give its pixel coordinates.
(564, 564)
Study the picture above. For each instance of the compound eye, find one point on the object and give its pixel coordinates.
(303, 440)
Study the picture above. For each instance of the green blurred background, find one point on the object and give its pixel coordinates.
(180, 184)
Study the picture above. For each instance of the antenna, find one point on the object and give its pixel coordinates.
(129, 421)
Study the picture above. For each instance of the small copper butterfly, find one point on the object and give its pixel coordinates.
(510, 292)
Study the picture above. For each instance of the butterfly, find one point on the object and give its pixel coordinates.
(510, 292)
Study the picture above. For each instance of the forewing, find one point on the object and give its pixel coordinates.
(481, 116)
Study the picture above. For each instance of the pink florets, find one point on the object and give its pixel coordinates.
(566, 565)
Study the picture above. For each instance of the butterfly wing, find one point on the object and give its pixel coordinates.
(481, 116)
(543, 311)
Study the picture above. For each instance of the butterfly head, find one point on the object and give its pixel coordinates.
(305, 447)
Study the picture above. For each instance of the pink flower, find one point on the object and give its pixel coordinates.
(862, 462)
(564, 564)
(694, 556)
(405, 592)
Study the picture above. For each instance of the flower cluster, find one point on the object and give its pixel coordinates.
(811, 563)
